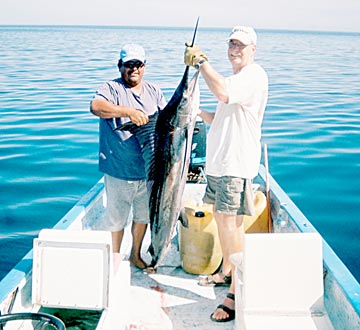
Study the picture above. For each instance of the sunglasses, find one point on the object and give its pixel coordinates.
(133, 64)
(233, 44)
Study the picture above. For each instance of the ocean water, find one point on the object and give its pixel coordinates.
(49, 139)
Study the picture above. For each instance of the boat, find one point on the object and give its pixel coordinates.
(71, 279)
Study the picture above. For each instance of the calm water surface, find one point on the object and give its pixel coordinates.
(49, 139)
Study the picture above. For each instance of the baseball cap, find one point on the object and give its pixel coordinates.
(245, 34)
(132, 52)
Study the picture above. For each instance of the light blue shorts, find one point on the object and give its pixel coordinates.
(230, 195)
(126, 201)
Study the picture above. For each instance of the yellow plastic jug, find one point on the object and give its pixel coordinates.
(200, 248)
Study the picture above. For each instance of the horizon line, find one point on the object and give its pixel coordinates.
(176, 27)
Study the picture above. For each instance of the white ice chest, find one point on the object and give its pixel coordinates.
(279, 282)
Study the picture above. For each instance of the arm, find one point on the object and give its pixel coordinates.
(104, 109)
(215, 82)
(206, 116)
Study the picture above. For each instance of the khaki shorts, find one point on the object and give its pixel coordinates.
(230, 195)
(126, 201)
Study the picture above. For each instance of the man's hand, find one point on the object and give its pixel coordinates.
(193, 55)
(138, 117)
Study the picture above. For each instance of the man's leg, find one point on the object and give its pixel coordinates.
(140, 221)
(117, 209)
(117, 237)
(226, 264)
(231, 235)
(138, 231)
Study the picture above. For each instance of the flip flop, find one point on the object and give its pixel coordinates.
(229, 311)
(210, 282)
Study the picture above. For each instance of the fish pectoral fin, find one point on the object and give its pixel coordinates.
(183, 217)
(125, 127)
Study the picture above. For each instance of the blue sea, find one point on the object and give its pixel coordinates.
(49, 139)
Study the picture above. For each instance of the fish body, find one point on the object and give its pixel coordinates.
(166, 143)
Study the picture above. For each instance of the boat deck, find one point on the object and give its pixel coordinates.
(172, 299)
(169, 299)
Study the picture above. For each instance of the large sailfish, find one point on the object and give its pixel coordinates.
(166, 143)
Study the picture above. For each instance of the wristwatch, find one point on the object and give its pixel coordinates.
(199, 64)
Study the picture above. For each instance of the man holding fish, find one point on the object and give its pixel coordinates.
(233, 147)
(128, 98)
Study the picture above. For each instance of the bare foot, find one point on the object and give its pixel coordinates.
(138, 262)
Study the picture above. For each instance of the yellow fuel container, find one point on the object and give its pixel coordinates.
(200, 249)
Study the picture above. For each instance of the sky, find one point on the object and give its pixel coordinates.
(315, 15)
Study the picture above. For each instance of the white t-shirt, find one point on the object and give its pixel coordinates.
(233, 143)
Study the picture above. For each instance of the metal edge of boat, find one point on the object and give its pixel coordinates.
(338, 280)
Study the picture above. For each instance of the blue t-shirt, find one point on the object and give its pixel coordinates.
(120, 153)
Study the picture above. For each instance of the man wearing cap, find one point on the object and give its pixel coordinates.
(233, 147)
(128, 98)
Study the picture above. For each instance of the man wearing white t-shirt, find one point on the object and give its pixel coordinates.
(233, 147)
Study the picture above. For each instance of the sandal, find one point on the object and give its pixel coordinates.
(229, 311)
(210, 281)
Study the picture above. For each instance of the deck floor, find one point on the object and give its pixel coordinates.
(172, 299)
(183, 303)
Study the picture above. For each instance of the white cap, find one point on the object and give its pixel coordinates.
(132, 52)
(245, 34)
